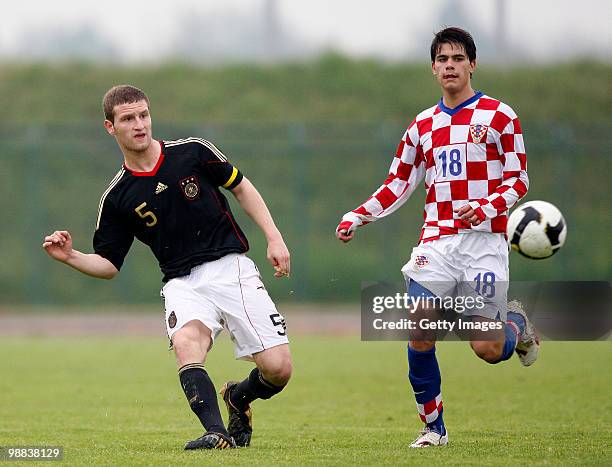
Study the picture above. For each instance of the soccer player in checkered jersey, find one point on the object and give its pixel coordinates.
(469, 149)
(167, 194)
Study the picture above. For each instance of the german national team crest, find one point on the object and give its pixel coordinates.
(190, 187)
(478, 132)
(172, 320)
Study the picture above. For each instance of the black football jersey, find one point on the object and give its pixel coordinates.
(177, 209)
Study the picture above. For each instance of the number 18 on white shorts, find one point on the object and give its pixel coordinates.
(465, 265)
(226, 294)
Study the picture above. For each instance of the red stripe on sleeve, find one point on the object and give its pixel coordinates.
(386, 197)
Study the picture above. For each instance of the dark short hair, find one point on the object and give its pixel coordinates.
(121, 94)
(455, 36)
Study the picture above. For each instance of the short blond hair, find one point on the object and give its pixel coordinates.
(121, 94)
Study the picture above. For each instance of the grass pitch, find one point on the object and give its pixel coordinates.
(118, 401)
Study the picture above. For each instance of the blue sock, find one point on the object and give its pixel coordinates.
(510, 343)
(517, 319)
(424, 374)
(519, 322)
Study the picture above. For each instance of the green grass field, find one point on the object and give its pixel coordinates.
(118, 401)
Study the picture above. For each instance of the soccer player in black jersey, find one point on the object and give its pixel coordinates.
(167, 194)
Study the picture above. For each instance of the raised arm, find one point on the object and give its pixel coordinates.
(253, 204)
(58, 245)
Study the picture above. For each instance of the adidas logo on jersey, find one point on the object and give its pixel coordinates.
(160, 187)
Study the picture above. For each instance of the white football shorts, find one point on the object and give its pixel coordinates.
(466, 264)
(226, 294)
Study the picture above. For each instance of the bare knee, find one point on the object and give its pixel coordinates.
(489, 351)
(191, 343)
(421, 345)
(278, 375)
(275, 365)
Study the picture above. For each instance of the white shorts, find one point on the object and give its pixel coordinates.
(466, 264)
(226, 294)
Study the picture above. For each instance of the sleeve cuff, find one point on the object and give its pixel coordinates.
(350, 221)
(115, 261)
(477, 207)
(234, 180)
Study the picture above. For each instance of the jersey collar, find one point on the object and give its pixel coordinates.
(154, 170)
(452, 112)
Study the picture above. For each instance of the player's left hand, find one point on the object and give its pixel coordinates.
(468, 215)
(279, 257)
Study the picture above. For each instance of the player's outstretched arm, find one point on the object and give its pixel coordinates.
(58, 245)
(253, 204)
(406, 171)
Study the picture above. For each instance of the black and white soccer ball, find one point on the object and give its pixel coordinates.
(536, 229)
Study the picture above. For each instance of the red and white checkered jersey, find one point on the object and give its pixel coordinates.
(472, 154)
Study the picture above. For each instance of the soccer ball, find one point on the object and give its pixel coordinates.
(536, 229)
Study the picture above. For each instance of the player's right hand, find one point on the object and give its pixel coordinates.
(58, 245)
(346, 229)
